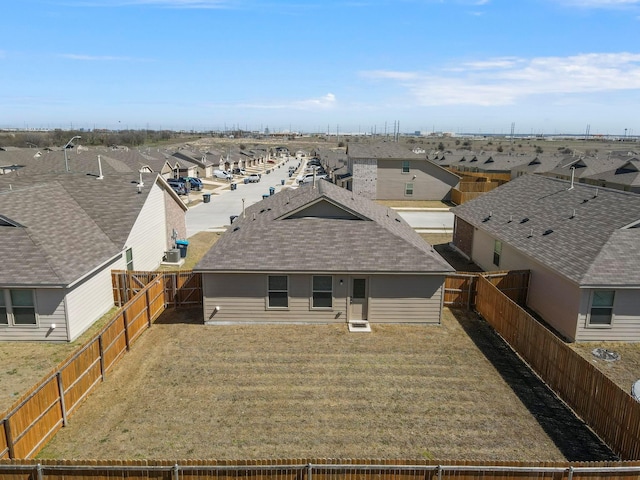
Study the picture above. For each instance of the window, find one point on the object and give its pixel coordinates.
(497, 251)
(601, 307)
(408, 189)
(4, 316)
(129, 254)
(322, 291)
(17, 307)
(406, 166)
(278, 291)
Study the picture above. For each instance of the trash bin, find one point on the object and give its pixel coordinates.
(265, 196)
(206, 197)
(246, 180)
(272, 190)
(282, 182)
(232, 218)
(182, 246)
(234, 186)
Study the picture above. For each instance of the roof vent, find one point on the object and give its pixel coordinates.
(530, 234)
(573, 215)
(585, 200)
(547, 232)
(236, 229)
(524, 220)
(510, 219)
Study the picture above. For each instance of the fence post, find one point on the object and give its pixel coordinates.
(439, 472)
(9, 437)
(176, 472)
(175, 289)
(570, 473)
(39, 472)
(101, 351)
(146, 296)
(309, 471)
(471, 285)
(63, 407)
(125, 319)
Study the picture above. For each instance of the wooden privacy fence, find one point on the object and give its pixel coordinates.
(181, 288)
(301, 469)
(460, 289)
(610, 411)
(43, 410)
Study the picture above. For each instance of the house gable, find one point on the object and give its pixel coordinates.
(324, 208)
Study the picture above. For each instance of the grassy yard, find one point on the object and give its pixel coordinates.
(623, 372)
(291, 391)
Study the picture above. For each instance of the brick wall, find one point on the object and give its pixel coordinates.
(463, 236)
(365, 177)
(176, 218)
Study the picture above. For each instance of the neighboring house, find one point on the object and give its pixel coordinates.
(60, 237)
(190, 164)
(581, 243)
(389, 171)
(625, 177)
(325, 256)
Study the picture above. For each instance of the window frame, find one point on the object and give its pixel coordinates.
(315, 290)
(408, 189)
(128, 259)
(497, 252)
(275, 290)
(406, 167)
(610, 307)
(10, 309)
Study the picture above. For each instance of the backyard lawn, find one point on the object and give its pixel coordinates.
(293, 391)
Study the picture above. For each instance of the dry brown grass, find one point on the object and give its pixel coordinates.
(623, 372)
(23, 364)
(289, 391)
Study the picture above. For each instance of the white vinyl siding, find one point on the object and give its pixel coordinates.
(626, 318)
(148, 237)
(90, 299)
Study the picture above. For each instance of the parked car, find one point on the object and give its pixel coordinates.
(239, 171)
(196, 183)
(308, 178)
(253, 178)
(179, 187)
(222, 174)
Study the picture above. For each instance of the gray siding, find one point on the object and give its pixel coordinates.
(555, 298)
(405, 299)
(51, 310)
(625, 326)
(431, 182)
(91, 298)
(392, 299)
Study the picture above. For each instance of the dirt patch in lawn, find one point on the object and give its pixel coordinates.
(289, 391)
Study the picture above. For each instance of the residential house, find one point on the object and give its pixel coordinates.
(61, 234)
(324, 255)
(389, 171)
(581, 244)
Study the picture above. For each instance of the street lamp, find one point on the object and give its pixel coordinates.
(66, 160)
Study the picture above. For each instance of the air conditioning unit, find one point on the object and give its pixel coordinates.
(173, 255)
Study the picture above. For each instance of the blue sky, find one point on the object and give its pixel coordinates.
(548, 66)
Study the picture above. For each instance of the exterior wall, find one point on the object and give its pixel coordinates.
(463, 236)
(50, 310)
(392, 299)
(364, 181)
(430, 183)
(554, 298)
(405, 299)
(91, 298)
(625, 326)
(175, 218)
(148, 237)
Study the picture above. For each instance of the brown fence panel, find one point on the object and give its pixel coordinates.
(458, 290)
(610, 411)
(4, 445)
(114, 343)
(136, 313)
(36, 419)
(81, 375)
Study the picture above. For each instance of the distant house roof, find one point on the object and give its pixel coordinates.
(322, 229)
(58, 227)
(388, 150)
(583, 233)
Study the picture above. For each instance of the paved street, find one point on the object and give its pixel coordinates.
(215, 215)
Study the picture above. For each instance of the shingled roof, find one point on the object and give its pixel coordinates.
(586, 234)
(62, 226)
(289, 235)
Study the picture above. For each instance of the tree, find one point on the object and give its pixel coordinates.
(539, 149)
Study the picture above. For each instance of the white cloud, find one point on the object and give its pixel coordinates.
(324, 103)
(505, 81)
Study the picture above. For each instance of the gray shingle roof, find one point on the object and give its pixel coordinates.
(388, 150)
(71, 223)
(287, 240)
(588, 248)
